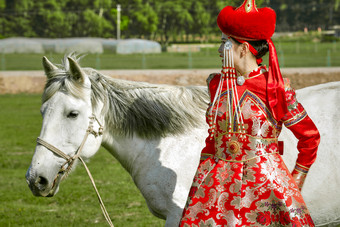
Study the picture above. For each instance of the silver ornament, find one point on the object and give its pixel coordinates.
(240, 80)
(228, 45)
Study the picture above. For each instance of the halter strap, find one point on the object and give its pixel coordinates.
(54, 149)
(70, 160)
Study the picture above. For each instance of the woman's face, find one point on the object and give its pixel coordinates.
(235, 48)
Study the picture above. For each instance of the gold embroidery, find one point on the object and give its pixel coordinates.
(262, 112)
(290, 122)
(217, 138)
(295, 117)
(247, 109)
(249, 6)
(234, 147)
(245, 160)
(300, 171)
(302, 166)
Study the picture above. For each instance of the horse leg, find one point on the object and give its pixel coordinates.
(172, 220)
(166, 209)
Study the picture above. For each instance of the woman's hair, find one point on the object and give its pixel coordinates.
(260, 46)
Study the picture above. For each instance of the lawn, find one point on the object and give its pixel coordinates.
(76, 203)
(290, 54)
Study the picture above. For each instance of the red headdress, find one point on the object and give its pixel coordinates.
(249, 24)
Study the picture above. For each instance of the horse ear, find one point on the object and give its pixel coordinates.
(48, 67)
(75, 70)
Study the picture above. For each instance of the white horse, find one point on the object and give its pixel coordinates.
(157, 132)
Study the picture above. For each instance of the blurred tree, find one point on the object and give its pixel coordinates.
(124, 20)
(184, 21)
(49, 19)
(154, 19)
(336, 5)
(201, 18)
(2, 4)
(236, 3)
(174, 18)
(296, 15)
(10, 4)
(90, 18)
(143, 19)
(16, 21)
(78, 5)
(19, 26)
(94, 25)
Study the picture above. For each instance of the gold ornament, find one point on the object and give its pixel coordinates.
(234, 147)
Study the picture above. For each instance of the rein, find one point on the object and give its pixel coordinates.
(70, 161)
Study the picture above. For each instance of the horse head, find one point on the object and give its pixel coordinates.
(71, 127)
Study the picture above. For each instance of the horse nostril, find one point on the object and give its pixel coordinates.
(41, 183)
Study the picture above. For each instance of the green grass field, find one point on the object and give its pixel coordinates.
(76, 203)
(290, 54)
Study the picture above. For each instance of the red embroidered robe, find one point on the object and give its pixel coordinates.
(246, 183)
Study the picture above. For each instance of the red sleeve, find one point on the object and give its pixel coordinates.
(304, 130)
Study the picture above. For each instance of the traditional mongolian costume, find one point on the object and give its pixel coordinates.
(241, 179)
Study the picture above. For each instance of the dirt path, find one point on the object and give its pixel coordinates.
(33, 81)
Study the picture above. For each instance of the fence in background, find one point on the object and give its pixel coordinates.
(290, 54)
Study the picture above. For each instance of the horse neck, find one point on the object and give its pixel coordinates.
(130, 150)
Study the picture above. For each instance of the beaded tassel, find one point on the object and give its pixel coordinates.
(233, 106)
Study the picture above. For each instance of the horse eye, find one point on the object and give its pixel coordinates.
(73, 114)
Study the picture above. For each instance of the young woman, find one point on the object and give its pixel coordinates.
(241, 179)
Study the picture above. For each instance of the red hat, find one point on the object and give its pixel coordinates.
(249, 23)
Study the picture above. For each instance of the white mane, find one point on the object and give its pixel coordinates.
(148, 110)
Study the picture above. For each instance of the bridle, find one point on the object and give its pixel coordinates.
(63, 172)
(70, 160)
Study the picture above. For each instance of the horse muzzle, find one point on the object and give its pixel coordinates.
(41, 186)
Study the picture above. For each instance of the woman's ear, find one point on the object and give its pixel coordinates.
(244, 49)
